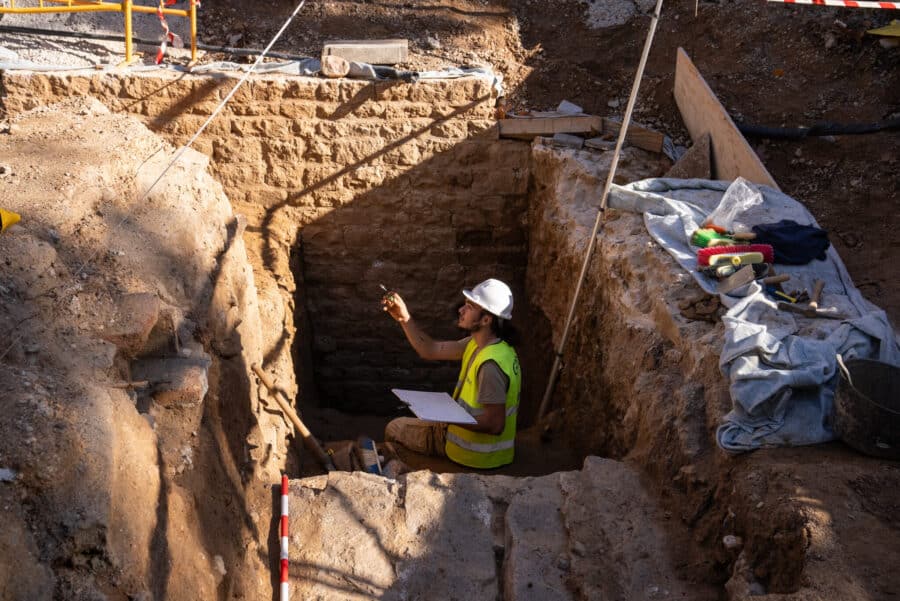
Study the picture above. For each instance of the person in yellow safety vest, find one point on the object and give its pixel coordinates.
(488, 386)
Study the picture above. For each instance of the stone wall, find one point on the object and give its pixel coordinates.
(346, 184)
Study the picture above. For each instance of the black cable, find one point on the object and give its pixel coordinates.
(819, 129)
(118, 38)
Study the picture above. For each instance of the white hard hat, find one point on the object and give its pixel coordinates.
(493, 296)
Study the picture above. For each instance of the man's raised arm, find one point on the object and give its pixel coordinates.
(426, 346)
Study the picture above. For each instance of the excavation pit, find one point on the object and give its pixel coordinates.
(347, 185)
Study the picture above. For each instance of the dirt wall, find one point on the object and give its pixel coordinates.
(124, 478)
(641, 383)
(361, 183)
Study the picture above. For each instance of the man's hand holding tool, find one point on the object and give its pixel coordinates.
(394, 305)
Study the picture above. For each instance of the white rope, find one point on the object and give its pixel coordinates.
(178, 154)
(598, 222)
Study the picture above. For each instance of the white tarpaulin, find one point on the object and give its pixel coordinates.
(781, 366)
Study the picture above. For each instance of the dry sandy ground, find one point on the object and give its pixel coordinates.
(770, 64)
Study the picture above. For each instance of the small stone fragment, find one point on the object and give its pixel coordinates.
(334, 66)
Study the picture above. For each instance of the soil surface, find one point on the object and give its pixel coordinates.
(770, 64)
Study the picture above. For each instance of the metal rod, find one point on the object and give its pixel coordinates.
(128, 32)
(598, 222)
(193, 31)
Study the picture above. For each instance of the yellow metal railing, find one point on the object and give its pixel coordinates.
(126, 6)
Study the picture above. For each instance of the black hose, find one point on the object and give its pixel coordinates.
(819, 129)
(119, 38)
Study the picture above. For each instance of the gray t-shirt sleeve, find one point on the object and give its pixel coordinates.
(492, 384)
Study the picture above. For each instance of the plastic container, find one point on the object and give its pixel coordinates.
(867, 407)
(369, 452)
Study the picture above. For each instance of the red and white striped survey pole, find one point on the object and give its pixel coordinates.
(285, 591)
(845, 3)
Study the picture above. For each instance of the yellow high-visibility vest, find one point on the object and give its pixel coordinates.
(477, 449)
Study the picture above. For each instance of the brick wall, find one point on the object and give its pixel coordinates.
(346, 184)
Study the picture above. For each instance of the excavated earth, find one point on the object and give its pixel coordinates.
(125, 463)
(141, 454)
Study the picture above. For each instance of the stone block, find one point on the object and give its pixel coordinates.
(174, 382)
(237, 149)
(296, 109)
(281, 150)
(344, 90)
(373, 52)
(300, 88)
(408, 110)
(452, 129)
(335, 66)
(135, 317)
(394, 91)
(487, 128)
(321, 238)
(235, 176)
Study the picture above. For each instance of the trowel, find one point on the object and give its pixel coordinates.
(744, 276)
(812, 309)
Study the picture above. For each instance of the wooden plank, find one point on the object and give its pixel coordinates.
(373, 52)
(529, 127)
(636, 136)
(702, 113)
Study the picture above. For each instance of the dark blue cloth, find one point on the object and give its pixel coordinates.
(794, 244)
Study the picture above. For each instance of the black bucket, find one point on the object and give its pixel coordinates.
(867, 407)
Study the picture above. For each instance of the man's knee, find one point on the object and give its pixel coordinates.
(395, 428)
(415, 434)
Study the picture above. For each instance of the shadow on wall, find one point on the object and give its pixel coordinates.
(425, 209)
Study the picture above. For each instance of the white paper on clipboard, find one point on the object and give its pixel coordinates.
(434, 406)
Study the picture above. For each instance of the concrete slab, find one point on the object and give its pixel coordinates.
(374, 52)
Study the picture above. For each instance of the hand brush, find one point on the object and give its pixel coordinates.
(767, 251)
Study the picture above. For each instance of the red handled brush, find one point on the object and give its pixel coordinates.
(704, 254)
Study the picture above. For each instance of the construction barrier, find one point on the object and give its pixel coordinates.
(845, 3)
(128, 7)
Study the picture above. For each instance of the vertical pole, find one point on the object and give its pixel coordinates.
(128, 49)
(598, 222)
(193, 31)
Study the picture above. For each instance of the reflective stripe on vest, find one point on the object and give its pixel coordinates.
(477, 449)
(481, 447)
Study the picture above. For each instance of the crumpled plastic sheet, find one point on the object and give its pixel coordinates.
(307, 67)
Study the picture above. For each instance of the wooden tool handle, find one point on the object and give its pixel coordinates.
(776, 279)
(311, 443)
(816, 295)
(743, 236)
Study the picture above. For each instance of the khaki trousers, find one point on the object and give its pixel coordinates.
(420, 436)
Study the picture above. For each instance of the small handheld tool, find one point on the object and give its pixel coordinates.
(388, 294)
(812, 309)
(744, 276)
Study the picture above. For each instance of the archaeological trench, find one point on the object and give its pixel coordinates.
(266, 245)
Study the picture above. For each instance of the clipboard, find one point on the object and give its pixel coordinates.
(434, 406)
